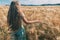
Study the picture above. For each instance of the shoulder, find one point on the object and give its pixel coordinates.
(22, 14)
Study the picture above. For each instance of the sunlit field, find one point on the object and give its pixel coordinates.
(48, 29)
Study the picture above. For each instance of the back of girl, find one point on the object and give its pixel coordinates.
(14, 19)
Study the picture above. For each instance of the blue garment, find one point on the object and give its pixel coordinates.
(19, 35)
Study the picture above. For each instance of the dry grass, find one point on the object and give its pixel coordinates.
(48, 29)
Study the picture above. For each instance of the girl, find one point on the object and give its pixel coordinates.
(15, 18)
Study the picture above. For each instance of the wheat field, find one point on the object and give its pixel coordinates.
(48, 29)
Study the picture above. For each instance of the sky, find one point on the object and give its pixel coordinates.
(35, 2)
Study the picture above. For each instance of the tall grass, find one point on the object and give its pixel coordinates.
(48, 29)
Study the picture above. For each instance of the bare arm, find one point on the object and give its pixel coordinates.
(25, 19)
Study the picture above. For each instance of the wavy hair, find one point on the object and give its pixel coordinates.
(13, 18)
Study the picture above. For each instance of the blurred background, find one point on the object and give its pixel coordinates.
(47, 11)
(32, 2)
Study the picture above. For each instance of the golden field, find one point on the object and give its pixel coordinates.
(48, 29)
